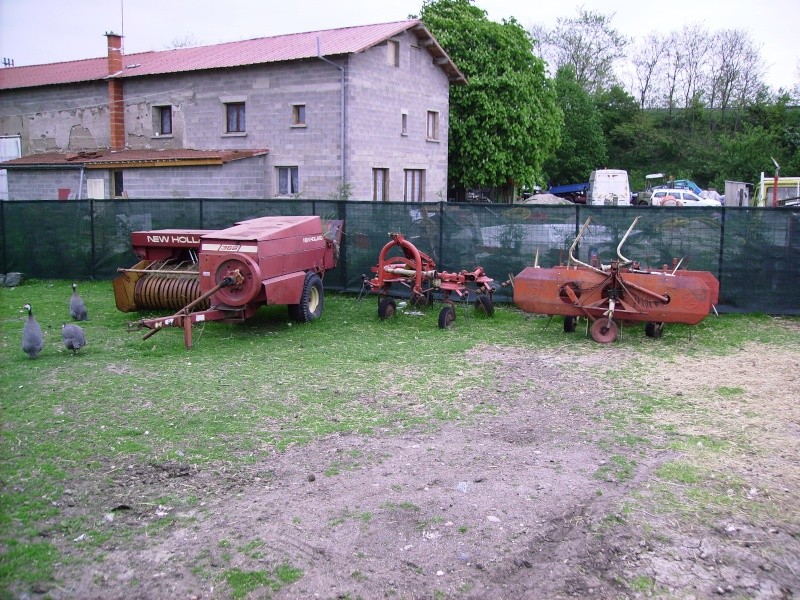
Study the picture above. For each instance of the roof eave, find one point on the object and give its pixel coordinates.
(441, 58)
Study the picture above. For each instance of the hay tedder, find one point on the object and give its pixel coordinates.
(227, 275)
(621, 291)
(416, 272)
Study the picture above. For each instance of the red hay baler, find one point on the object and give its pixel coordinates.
(227, 275)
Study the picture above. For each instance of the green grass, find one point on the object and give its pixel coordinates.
(246, 390)
(243, 582)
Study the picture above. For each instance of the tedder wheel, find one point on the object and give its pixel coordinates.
(484, 304)
(569, 324)
(604, 330)
(654, 330)
(386, 308)
(446, 317)
(422, 300)
(311, 300)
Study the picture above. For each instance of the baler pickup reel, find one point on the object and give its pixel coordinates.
(186, 318)
(416, 272)
(617, 292)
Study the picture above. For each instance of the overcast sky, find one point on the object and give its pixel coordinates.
(44, 31)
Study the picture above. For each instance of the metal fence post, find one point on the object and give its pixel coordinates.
(92, 235)
(441, 231)
(3, 234)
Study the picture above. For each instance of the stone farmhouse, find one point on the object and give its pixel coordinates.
(360, 112)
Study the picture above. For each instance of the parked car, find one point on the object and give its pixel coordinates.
(684, 184)
(608, 187)
(680, 197)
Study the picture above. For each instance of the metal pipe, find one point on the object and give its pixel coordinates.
(409, 272)
(156, 271)
(622, 241)
(575, 243)
(342, 103)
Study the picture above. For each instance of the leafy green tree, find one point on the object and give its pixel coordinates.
(505, 123)
(583, 146)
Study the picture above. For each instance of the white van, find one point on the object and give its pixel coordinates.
(609, 187)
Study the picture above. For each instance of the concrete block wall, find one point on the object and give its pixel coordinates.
(378, 93)
(57, 118)
(245, 178)
(44, 185)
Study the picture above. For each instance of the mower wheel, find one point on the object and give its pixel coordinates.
(604, 330)
(484, 304)
(386, 308)
(653, 330)
(446, 317)
(569, 324)
(311, 300)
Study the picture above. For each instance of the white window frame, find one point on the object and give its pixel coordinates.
(290, 174)
(158, 120)
(404, 122)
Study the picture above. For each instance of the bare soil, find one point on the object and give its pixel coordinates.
(541, 494)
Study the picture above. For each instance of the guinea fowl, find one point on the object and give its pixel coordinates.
(77, 308)
(73, 337)
(32, 340)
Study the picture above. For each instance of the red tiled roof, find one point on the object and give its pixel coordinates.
(103, 158)
(348, 40)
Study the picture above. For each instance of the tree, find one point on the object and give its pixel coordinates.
(589, 44)
(648, 57)
(736, 69)
(505, 123)
(582, 146)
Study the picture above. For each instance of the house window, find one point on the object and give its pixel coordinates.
(164, 126)
(235, 117)
(288, 181)
(414, 189)
(119, 190)
(380, 185)
(433, 125)
(393, 53)
(404, 123)
(298, 114)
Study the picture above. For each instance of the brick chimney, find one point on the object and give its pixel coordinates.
(116, 104)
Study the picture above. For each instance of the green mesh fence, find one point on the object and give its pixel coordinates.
(755, 253)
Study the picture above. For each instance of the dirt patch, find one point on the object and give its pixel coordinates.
(537, 494)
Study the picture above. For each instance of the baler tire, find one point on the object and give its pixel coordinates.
(569, 324)
(654, 330)
(312, 300)
(484, 305)
(446, 317)
(386, 308)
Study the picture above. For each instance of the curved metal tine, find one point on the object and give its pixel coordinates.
(575, 243)
(622, 241)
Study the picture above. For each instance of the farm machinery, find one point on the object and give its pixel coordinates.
(416, 272)
(227, 275)
(618, 292)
